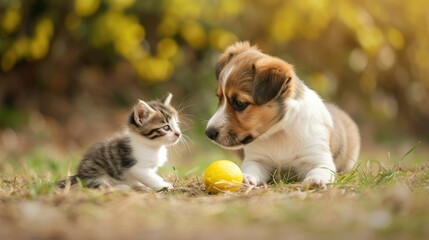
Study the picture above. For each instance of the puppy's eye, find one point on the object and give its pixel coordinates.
(166, 128)
(239, 105)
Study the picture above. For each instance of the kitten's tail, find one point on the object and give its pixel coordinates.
(69, 181)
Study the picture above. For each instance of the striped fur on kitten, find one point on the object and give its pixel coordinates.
(133, 157)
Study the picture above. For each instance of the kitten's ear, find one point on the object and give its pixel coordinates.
(167, 100)
(142, 111)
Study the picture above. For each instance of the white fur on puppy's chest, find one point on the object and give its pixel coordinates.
(275, 150)
(299, 140)
(283, 150)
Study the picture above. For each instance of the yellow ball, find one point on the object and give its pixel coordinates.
(223, 175)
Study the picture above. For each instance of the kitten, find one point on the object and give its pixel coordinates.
(132, 158)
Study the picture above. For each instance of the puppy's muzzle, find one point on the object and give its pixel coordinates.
(212, 133)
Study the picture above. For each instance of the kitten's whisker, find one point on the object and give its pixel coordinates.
(182, 108)
(187, 139)
(182, 105)
(186, 120)
(182, 145)
(203, 120)
(185, 143)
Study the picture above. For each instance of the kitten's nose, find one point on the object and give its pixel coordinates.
(177, 134)
(212, 133)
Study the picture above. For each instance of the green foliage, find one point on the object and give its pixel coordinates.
(13, 118)
(371, 56)
(129, 27)
(120, 25)
(41, 188)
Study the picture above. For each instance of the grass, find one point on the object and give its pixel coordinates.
(377, 200)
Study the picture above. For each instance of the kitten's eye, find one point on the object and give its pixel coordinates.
(166, 128)
(239, 105)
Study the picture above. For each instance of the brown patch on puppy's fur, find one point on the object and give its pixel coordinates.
(344, 141)
(230, 52)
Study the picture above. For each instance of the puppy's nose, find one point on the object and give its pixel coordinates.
(212, 133)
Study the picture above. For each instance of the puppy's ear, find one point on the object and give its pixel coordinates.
(272, 78)
(229, 53)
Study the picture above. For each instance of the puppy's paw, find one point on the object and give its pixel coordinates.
(250, 179)
(314, 183)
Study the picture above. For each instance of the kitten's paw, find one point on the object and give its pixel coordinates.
(314, 183)
(165, 187)
(250, 179)
(122, 187)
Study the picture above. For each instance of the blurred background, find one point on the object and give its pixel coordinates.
(71, 70)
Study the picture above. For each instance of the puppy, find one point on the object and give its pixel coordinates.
(279, 124)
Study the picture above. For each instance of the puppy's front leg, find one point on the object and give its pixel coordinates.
(255, 172)
(318, 178)
(319, 173)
